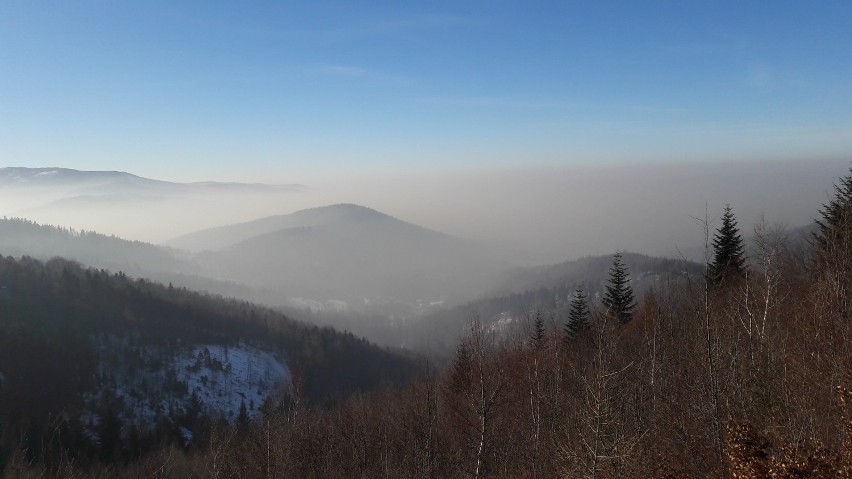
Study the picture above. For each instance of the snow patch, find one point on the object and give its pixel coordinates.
(333, 305)
(186, 436)
(226, 378)
(217, 379)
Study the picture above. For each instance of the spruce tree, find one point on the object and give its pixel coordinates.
(578, 315)
(833, 246)
(836, 222)
(728, 250)
(618, 298)
(537, 337)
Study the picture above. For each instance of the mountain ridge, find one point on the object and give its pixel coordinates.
(53, 176)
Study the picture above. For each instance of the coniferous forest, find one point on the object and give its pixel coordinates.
(744, 372)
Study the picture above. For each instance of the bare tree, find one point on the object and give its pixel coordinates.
(476, 388)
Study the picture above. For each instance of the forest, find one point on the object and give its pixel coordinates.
(72, 339)
(744, 371)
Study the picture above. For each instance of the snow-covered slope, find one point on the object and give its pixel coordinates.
(217, 379)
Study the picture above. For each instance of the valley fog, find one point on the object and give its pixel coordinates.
(537, 215)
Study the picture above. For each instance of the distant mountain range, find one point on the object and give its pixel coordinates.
(339, 261)
(355, 268)
(93, 183)
(65, 189)
(347, 256)
(132, 206)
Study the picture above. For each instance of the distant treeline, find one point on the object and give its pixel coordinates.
(20, 237)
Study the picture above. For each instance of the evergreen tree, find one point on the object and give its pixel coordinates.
(833, 246)
(537, 338)
(578, 315)
(728, 250)
(618, 298)
(243, 420)
(836, 222)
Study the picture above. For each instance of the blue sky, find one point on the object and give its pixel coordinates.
(278, 90)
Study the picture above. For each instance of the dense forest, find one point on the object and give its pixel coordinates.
(744, 371)
(79, 347)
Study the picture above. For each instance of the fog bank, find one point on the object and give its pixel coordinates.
(546, 214)
(553, 214)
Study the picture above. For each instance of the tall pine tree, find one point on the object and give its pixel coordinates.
(578, 315)
(728, 250)
(618, 298)
(836, 222)
(833, 247)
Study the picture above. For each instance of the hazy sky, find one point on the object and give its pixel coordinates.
(287, 92)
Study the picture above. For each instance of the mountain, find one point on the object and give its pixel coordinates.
(345, 252)
(132, 206)
(44, 177)
(283, 269)
(95, 183)
(335, 215)
(53, 190)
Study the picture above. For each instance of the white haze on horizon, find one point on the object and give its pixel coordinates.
(544, 214)
(559, 213)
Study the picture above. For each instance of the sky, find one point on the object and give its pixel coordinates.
(297, 92)
(560, 128)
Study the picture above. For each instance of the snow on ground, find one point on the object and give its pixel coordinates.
(331, 305)
(225, 378)
(153, 382)
(503, 321)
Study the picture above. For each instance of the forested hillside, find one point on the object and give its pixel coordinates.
(363, 259)
(96, 366)
(20, 237)
(590, 271)
(545, 291)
